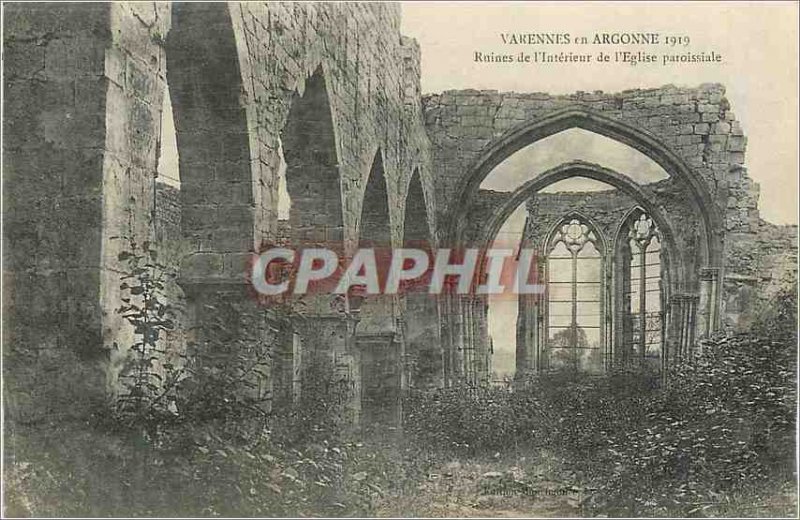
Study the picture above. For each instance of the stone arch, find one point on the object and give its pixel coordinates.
(313, 178)
(374, 225)
(582, 117)
(527, 351)
(591, 171)
(217, 175)
(416, 222)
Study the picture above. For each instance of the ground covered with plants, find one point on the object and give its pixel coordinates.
(716, 437)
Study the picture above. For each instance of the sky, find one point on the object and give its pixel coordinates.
(757, 40)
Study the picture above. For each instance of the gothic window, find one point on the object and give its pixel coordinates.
(574, 295)
(643, 290)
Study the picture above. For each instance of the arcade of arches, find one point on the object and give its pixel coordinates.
(304, 124)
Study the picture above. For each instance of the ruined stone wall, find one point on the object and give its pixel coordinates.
(80, 126)
(696, 123)
(85, 85)
(372, 78)
(764, 264)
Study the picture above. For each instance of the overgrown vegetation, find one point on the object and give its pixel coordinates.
(190, 435)
(718, 438)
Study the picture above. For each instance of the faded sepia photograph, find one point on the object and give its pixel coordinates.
(399, 259)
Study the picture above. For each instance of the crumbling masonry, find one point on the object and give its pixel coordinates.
(333, 90)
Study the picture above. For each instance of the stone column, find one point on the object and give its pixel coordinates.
(422, 333)
(683, 325)
(231, 329)
(331, 362)
(482, 347)
(380, 347)
(457, 331)
(529, 342)
(707, 321)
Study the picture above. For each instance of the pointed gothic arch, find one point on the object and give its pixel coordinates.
(313, 179)
(642, 290)
(212, 133)
(596, 172)
(574, 274)
(582, 117)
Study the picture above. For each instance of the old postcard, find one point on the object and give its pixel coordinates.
(446, 259)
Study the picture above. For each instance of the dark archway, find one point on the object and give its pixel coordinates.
(309, 350)
(374, 224)
(416, 222)
(312, 166)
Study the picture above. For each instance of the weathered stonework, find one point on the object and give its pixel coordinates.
(85, 88)
(334, 91)
(696, 124)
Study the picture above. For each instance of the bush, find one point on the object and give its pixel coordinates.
(190, 435)
(723, 426)
(558, 410)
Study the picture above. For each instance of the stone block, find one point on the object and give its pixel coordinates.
(202, 266)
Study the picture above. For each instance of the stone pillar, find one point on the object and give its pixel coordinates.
(708, 320)
(423, 343)
(287, 361)
(457, 332)
(73, 178)
(468, 343)
(332, 364)
(683, 325)
(529, 341)
(481, 337)
(448, 338)
(380, 348)
(231, 329)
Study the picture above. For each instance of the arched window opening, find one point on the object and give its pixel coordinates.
(643, 292)
(574, 298)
